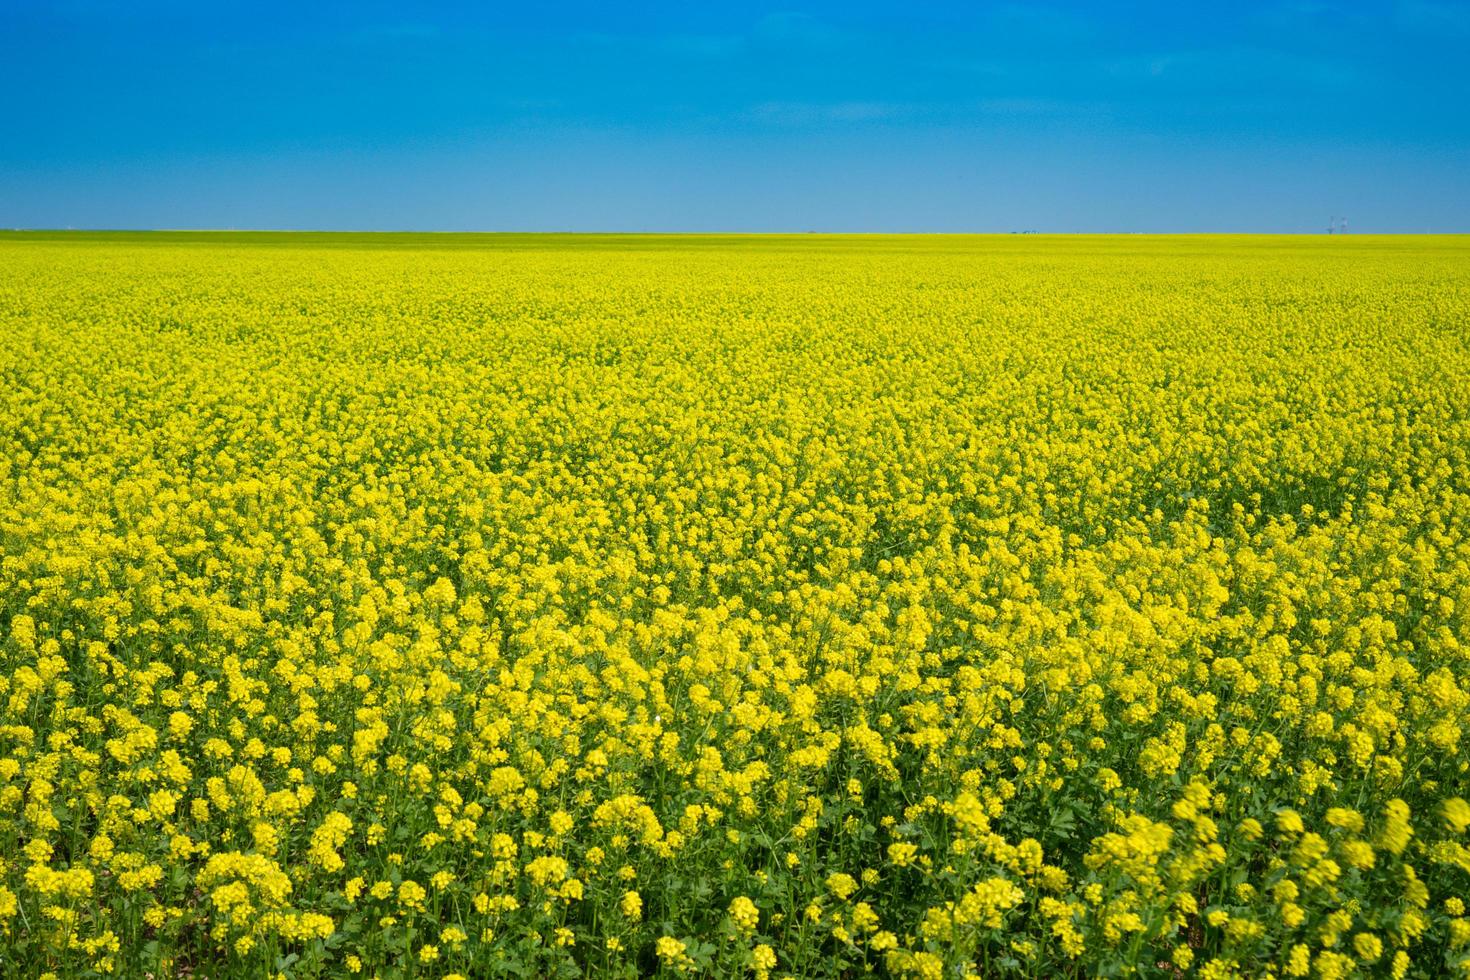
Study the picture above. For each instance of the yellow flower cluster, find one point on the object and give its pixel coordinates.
(456, 606)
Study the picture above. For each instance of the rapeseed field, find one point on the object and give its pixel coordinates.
(456, 606)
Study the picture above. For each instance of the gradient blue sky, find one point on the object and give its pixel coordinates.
(852, 116)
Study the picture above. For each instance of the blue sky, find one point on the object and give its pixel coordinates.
(848, 116)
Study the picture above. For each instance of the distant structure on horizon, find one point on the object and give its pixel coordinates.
(1336, 225)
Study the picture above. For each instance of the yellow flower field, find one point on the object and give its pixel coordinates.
(470, 606)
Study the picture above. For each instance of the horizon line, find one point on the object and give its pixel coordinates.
(709, 232)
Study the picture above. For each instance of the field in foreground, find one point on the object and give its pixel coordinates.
(801, 606)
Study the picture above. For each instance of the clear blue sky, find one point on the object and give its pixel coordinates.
(852, 116)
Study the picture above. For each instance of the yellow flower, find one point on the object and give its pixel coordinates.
(1396, 829)
(841, 885)
(671, 951)
(745, 914)
(411, 896)
(1289, 822)
(1457, 814)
